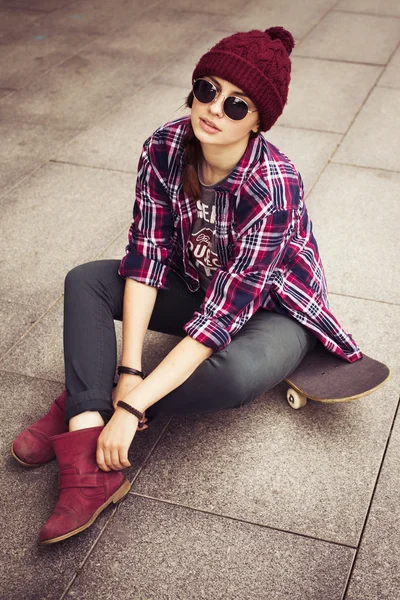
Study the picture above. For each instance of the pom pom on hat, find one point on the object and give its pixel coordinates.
(257, 62)
(282, 34)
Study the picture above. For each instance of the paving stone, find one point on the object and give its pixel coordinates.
(97, 17)
(82, 89)
(26, 147)
(391, 75)
(352, 37)
(372, 140)
(377, 570)
(179, 73)
(159, 31)
(79, 91)
(46, 219)
(32, 493)
(15, 320)
(116, 141)
(358, 262)
(326, 95)
(268, 464)
(24, 56)
(200, 556)
(209, 6)
(383, 7)
(261, 14)
(308, 150)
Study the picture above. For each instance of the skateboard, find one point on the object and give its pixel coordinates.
(325, 377)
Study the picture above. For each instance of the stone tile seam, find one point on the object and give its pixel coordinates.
(349, 574)
(363, 103)
(244, 521)
(302, 128)
(368, 14)
(342, 60)
(395, 50)
(371, 501)
(4, 371)
(388, 66)
(365, 299)
(98, 167)
(344, 164)
(39, 11)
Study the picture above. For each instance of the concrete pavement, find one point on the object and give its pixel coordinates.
(261, 503)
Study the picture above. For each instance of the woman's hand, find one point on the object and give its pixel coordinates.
(126, 384)
(114, 441)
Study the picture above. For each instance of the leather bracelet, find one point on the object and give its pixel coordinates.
(130, 409)
(130, 371)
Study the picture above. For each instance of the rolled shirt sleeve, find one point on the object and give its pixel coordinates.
(237, 290)
(148, 253)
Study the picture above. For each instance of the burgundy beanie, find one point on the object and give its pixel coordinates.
(258, 62)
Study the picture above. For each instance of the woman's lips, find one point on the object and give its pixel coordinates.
(208, 127)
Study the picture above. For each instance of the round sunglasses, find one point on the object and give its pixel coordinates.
(235, 108)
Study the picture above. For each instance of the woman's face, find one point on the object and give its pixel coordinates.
(212, 126)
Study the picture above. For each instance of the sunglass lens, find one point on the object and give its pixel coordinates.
(204, 91)
(235, 108)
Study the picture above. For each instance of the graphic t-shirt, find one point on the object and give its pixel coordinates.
(202, 248)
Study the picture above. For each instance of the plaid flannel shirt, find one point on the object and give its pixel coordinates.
(268, 255)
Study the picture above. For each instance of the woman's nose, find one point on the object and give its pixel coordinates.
(217, 106)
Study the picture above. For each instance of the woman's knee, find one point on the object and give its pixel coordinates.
(91, 274)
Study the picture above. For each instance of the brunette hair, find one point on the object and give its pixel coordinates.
(192, 155)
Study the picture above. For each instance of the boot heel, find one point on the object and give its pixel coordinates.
(121, 492)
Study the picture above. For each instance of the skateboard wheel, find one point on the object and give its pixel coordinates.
(295, 399)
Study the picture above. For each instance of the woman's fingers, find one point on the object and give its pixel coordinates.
(123, 458)
(100, 459)
(115, 465)
(112, 460)
(143, 424)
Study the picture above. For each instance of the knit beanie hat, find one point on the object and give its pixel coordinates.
(258, 62)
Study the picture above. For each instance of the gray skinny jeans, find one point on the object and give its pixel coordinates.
(265, 351)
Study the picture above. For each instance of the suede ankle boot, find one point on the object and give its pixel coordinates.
(85, 490)
(32, 447)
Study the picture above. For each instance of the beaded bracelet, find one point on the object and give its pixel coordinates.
(130, 409)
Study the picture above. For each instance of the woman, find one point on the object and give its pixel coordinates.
(220, 253)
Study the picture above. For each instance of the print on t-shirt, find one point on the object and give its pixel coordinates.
(202, 242)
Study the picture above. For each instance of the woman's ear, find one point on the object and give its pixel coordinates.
(256, 128)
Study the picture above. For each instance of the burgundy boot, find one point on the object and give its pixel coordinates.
(85, 490)
(32, 447)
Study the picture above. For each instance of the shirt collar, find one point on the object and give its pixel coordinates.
(244, 167)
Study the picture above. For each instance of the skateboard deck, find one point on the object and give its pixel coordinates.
(324, 377)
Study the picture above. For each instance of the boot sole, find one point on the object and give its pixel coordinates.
(117, 496)
(25, 464)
